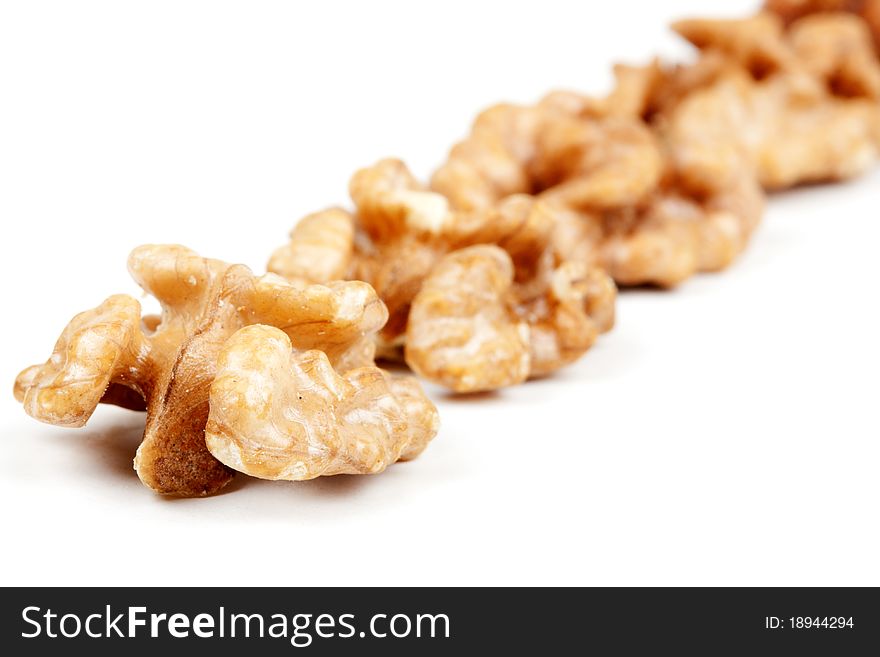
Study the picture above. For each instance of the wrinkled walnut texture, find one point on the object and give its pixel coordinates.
(473, 327)
(169, 363)
(280, 413)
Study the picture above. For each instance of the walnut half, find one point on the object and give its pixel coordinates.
(473, 327)
(280, 413)
(166, 365)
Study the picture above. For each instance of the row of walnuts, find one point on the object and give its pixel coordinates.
(503, 267)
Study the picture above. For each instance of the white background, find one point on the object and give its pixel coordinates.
(724, 433)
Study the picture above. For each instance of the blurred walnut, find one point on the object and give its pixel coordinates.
(566, 307)
(797, 104)
(793, 105)
(839, 50)
(319, 250)
(597, 164)
(491, 163)
(281, 413)
(756, 43)
(166, 365)
(659, 180)
(615, 197)
(398, 233)
(870, 12)
(392, 241)
(461, 332)
(791, 10)
(789, 103)
(402, 231)
(645, 93)
(558, 148)
(569, 151)
(679, 232)
(473, 327)
(830, 51)
(789, 135)
(787, 106)
(618, 199)
(833, 49)
(672, 234)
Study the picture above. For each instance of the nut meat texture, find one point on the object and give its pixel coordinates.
(502, 268)
(402, 235)
(661, 179)
(166, 365)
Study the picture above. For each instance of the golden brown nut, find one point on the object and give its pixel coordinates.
(472, 327)
(647, 218)
(820, 44)
(641, 248)
(790, 10)
(396, 270)
(523, 226)
(633, 90)
(838, 49)
(608, 163)
(835, 49)
(461, 333)
(319, 250)
(831, 140)
(788, 135)
(756, 43)
(93, 350)
(604, 174)
(400, 232)
(680, 232)
(870, 12)
(520, 224)
(566, 316)
(390, 202)
(704, 133)
(491, 163)
(559, 146)
(421, 415)
(801, 108)
(280, 413)
(675, 232)
(577, 235)
(171, 364)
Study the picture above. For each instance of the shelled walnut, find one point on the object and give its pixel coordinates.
(618, 199)
(503, 268)
(867, 10)
(675, 233)
(401, 232)
(837, 49)
(788, 106)
(798, 105)
(473, 327)
(546, 149)
(166, 365)
(870, 12)
(281, 413)
(278, 412)
(319, 250)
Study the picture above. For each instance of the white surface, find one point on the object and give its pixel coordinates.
(724, 433)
